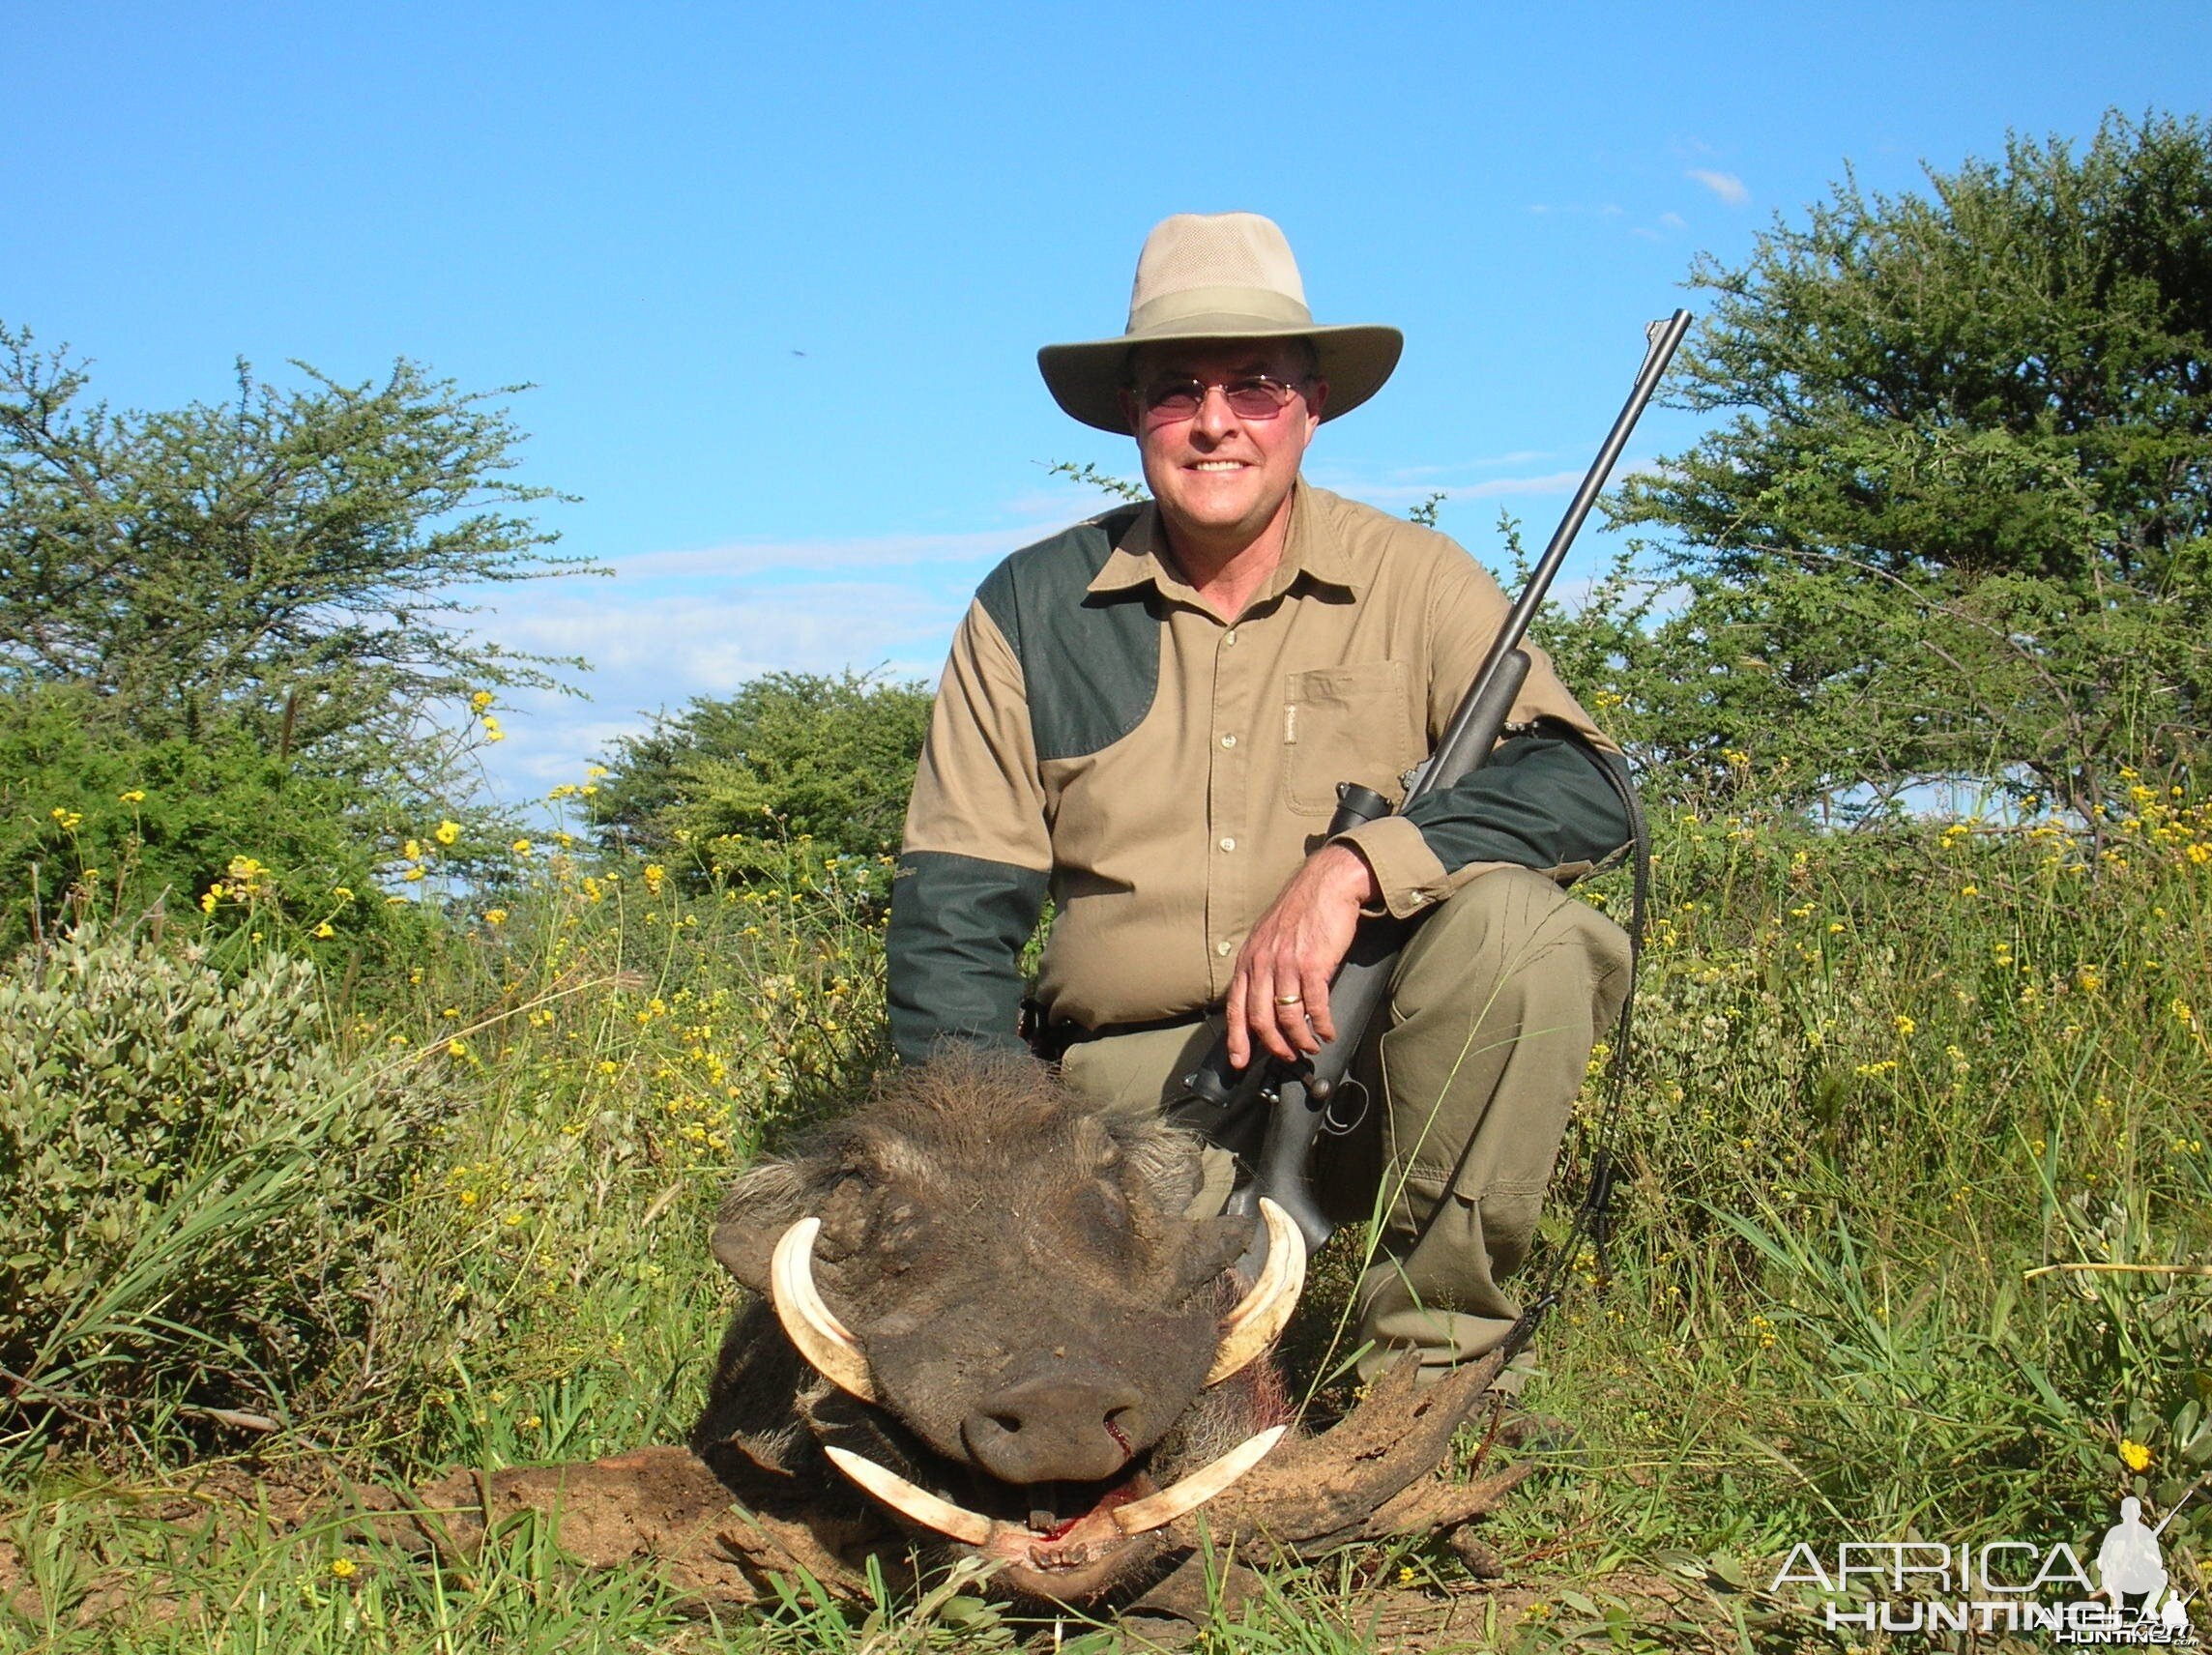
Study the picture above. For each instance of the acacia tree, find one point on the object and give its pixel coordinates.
(285, 563)
(1958, 518)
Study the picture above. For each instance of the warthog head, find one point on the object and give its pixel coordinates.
(984, 1304)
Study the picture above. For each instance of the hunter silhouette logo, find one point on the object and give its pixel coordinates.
(2130, 1564)
(2007, 1585)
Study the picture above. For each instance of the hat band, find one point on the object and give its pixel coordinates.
(1264, 308)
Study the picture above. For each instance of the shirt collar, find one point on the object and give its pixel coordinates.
(1139, 557)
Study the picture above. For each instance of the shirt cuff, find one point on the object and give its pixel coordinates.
(1406, 869)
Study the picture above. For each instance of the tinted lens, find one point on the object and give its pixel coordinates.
(1174, 398)
(1257, 398)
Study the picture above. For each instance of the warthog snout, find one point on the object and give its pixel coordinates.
(1048, 1428)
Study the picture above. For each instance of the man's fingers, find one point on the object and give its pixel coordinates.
(1239, 1043)
(1317, 1006)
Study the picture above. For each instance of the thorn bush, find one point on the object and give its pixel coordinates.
(198, 1184)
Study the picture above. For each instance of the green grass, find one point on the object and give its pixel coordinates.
(1882, 1079)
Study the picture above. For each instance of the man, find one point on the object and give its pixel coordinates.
(1147, 718)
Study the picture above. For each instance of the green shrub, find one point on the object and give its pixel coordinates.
(228, 839)
(797, 775)
(198, 1182)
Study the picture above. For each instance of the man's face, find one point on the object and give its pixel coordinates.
(1221, 478)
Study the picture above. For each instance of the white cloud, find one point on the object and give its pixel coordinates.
(904, 552)
(1726, 184)
(1394, 493)
(672, 626)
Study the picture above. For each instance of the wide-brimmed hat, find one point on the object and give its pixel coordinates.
(1216, 275)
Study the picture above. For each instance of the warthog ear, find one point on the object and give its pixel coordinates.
(754, 1215)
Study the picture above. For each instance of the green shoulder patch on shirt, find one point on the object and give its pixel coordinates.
(1090, 662)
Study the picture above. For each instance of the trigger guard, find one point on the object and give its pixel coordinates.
(1332, 1124)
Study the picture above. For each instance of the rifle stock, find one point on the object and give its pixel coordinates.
(1300, 1095)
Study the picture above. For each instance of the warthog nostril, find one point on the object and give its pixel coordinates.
(1053, 1430)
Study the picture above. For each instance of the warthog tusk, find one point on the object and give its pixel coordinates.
(822, 1339)
(1137, 1517)
(1155, 1511)
(1253, 1326)
(918, 1504)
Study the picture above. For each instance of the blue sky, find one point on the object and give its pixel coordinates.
(778, 274)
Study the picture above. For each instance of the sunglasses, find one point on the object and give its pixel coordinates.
(1256, 397)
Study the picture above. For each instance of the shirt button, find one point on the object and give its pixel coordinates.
(1229, 844)
(1222, 948)
(1230, 637)
(1229, 741)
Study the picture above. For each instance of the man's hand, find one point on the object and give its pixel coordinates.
(1293, 951)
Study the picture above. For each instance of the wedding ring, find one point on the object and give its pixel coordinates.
(1290, 1000)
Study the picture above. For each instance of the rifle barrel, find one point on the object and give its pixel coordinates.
(1463, 746)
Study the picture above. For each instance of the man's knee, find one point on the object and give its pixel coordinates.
(1513, 929)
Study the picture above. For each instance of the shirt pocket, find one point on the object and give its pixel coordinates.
(1350, 723)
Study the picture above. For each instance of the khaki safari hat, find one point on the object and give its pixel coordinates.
(1216, 275)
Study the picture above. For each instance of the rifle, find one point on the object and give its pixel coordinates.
(1301, 1094)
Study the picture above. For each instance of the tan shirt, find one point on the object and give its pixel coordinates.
(1166, 845)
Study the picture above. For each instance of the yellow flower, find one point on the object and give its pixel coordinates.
(595, 772)
(2200, 853)
(342, 893)
(213, 897)
(456, 1048)
(447, 832)
(654, 873)
(132, 795)
(521, 847)
(411, 850)
(326, 930)
(495, 917)
(412, 875)
(344, 1568)
(481, 700)
(2135, 1456)
(1904, 1024)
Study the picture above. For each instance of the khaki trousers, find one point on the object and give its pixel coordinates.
(1495, 1006)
